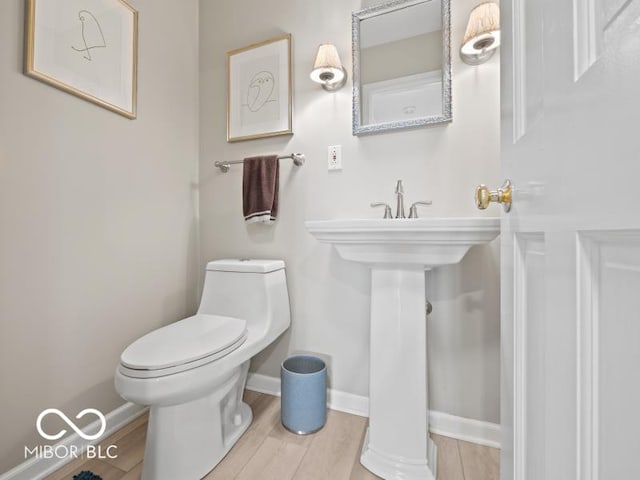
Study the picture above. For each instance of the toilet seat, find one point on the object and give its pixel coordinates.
(183, 345)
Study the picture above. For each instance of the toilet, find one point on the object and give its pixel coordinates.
(192, 372)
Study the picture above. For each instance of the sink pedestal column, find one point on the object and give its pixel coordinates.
(397, 444)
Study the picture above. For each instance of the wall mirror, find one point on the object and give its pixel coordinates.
(401, 66)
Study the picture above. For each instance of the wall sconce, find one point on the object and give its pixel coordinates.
(327, 68)
(482, 37)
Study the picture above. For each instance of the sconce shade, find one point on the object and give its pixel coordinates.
(327, 68)
(482, 36)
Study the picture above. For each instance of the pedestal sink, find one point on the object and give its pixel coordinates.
(397, 444)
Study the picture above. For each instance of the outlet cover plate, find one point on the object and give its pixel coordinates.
(334, 157)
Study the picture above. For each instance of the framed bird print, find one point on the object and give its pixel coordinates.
(259, 90)
(88, 48)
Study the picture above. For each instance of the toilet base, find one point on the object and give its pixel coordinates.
(188, 440)
(391, 467)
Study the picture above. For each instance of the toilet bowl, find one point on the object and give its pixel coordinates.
(192, 373)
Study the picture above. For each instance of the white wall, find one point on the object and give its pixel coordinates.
(98, 230)
(330, 297)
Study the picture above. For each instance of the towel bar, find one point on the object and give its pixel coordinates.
(298, 160)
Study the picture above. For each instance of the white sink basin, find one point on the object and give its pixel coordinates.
(397, 444)
(427, 242)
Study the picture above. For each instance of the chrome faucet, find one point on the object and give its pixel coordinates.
(413, 211)
(400, 200)
(387, 209)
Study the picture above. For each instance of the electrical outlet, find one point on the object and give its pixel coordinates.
(334, 158)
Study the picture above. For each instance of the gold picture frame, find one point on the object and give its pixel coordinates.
(259, 90)
(87, 49)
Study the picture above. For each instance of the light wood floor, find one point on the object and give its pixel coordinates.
(269, 452)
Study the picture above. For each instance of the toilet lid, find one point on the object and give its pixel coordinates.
(185, 341)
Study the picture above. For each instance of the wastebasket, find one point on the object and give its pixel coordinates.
(304, 394)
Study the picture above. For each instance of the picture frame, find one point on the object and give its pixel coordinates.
(259, 90)
(88, 48)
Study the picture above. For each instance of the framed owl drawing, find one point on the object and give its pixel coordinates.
(88, 48)
(259, 90)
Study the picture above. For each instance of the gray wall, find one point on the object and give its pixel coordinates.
(330, 297)
(98, 229)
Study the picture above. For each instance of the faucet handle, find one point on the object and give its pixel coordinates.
(387, 208)
(413, 211)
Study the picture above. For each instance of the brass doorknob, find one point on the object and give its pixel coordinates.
(484, 196)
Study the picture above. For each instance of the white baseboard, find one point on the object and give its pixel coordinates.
(337, 400)
(263, 384)
(38, 468)
(467, 429)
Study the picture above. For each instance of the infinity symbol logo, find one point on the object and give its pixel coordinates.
(75, 428)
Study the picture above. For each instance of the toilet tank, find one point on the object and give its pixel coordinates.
(254, 290)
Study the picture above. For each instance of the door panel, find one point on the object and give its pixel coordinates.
(588, 35)
(609, 334)
(530, 333)
(598, 24)
(527, 69)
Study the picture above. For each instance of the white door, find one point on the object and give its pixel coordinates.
(571, 243)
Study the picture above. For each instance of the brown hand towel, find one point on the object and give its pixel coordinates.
(260, 189)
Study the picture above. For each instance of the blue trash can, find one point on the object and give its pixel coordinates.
(304, 394)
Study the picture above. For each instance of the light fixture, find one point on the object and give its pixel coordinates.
(327, 69)
(482, 37)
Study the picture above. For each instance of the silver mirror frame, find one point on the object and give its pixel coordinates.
(446, 117)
